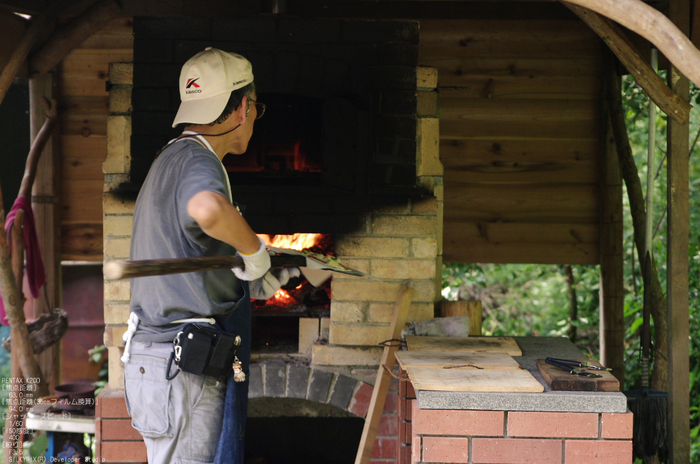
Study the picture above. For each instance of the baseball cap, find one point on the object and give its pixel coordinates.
(206, 82)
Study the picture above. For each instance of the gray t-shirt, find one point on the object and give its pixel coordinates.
(163, 229)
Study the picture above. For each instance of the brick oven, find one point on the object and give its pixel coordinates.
(350, 96)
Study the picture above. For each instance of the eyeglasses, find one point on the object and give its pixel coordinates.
(259, 107)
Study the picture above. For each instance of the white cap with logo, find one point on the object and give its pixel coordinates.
(206, 82)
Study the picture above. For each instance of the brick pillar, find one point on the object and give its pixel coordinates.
(117, 212)
(398, 244)
(406, 395)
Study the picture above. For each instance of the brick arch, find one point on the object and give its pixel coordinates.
(289, 380)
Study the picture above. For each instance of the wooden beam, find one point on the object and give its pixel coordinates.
(46, 206)
(13, 27)
(28, 7)
(33, 34)
(646, 77)
(381, 385)
(677, 259)
(612, 317)
(651, 24)
(72, 34)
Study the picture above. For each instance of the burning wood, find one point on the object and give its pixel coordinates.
(298, 294)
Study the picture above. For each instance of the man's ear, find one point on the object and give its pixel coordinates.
(243, 110)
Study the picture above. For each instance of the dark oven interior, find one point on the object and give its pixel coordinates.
(339, 133)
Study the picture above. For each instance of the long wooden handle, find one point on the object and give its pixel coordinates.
(117, 270)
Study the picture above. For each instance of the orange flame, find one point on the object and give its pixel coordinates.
(292, 242)
(282, 297)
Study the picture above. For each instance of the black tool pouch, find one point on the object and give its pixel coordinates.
(205, 350)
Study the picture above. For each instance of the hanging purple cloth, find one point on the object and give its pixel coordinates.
(36, 275)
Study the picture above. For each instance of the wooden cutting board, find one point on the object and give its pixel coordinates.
(475, 344)
(473, 380)
(455, 360)
(559, 379)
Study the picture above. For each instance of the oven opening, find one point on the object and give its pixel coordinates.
(287, 143)
(275, 326)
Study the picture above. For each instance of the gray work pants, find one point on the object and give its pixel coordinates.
(179, 419)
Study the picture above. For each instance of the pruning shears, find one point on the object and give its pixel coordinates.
(575, 367)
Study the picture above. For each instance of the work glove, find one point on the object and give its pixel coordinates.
(266, 286)
(256, 265)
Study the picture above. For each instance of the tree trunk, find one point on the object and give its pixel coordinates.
(573, 304)
(659, 379)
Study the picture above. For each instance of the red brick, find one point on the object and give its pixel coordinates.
(388, 425)
(445, 449)
(598, 452)
(516, 451)
(410, 392)
(98, 431)
(98, 450)
(403, 384)
(404, 431)
(123, 451)
(385, 448)
(406, 387)
(552, 424)
(616, 425)
(416, 447)
(111, 407)
(118, 429)
(360, 402)
(458, 422)
(411, 407)
(404, 454)
(404, 409)
(394, 385)
(391, 403)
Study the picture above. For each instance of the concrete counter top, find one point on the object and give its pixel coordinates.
(533, 348)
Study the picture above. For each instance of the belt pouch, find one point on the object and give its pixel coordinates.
(206, 350)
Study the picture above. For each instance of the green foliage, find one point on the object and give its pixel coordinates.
(98, 354)
(523, 300)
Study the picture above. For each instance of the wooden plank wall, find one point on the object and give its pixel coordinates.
(519, 106)
(84, 108)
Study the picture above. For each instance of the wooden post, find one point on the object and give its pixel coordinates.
(677, 261)
(381, 385)
(471, 309)
(46, 206)
(612, 320)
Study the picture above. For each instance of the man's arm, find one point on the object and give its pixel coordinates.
(221, 220)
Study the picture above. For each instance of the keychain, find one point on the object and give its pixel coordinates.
(238, 374)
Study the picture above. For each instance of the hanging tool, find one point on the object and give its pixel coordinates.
(650, 407)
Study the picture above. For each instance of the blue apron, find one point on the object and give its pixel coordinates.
(230, 449)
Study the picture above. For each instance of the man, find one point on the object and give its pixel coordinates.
(185, 209)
